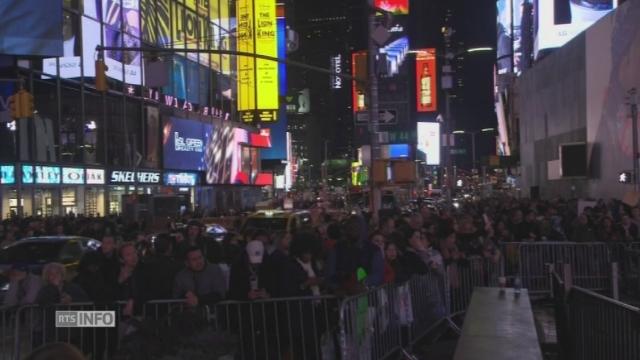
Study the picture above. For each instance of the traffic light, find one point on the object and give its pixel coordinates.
(25, 103)
(14, 106)
(101, 76)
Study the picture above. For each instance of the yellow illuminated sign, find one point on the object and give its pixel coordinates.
(246, 65)
(258, 78)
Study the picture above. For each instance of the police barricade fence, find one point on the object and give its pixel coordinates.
(601, 328)
(280, 328)
(590, 264)
(371, 325)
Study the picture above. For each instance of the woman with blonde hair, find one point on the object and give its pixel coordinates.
(55, 290)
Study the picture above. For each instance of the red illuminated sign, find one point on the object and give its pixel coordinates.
(359, 71)
(393, 6)
(264, 179)
(426, 72)
(261, 140)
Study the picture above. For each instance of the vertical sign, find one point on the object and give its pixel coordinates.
(266, 44)
(246, 65)
(257, 78)
(429, 142)
(359, 71)
(426, 90)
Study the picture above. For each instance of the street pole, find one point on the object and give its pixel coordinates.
(473, 151)
(373, 107)
(446, 124)
(634, 120)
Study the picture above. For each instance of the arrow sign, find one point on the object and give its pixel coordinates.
(385, 117)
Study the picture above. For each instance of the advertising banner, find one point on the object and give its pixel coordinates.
(258, 96)
(184, 143)
(246, 65)
(426, 82)
(359, 71)
(130, 177)
(398, 7)
(40, 174)
(31, 28)
(95, 176)
(181, 179)
(504, 51)
(72, 175)
(429, 142)
(561, 20)
(223, 156)
(7, 174)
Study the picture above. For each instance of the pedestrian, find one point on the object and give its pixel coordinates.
(200, 282)
(23, 286)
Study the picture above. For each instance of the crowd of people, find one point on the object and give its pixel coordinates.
(324, 258)
(338, 255)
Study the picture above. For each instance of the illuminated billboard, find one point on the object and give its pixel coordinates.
(31, 27)
(223, 156)
(426, 84)
(429, 142)
(184, 143)
(504, 51)
(258, 96)
(359, 71)
(560, 21)
(398, 7)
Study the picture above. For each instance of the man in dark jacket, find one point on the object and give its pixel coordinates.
(200, 282)
(109, 267)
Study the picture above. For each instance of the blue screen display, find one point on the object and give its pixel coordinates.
(184, 143)
(180, 179)
(7, 174)
(27, 174)
(398, 150)
(47, 174)
(31, 27)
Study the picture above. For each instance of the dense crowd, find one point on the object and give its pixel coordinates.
(330, 256)
(337, 253)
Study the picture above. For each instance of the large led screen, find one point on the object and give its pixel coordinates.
(561, 20)
(121, 28)
(400, 7)
(505, 36)
(31, 27)
(184, 143)
(223, 156)
(429, 142)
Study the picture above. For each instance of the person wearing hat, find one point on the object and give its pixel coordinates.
(23, 286)
(249, 279)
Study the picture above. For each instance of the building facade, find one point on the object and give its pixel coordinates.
(167, 126)
(581, 94)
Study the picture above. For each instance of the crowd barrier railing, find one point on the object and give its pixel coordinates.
(291, 328)
(601, 328)
(590, 264)
(371, 325)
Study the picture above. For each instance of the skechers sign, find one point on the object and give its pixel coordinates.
(129, 177)
(180, 179)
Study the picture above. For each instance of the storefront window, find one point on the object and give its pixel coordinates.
(46, 202)
(93, 149)
(115, 199)
(71, 127)
(10, 202)
(71, 202)
(44, 139)
(94, 201)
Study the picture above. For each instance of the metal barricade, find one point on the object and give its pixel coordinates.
(560, 312)
(427, 304)
(295, 328)
(462, 277)
(602, 328)
(590, 263)
(36, 325)
(370, 324)
(7, 323)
